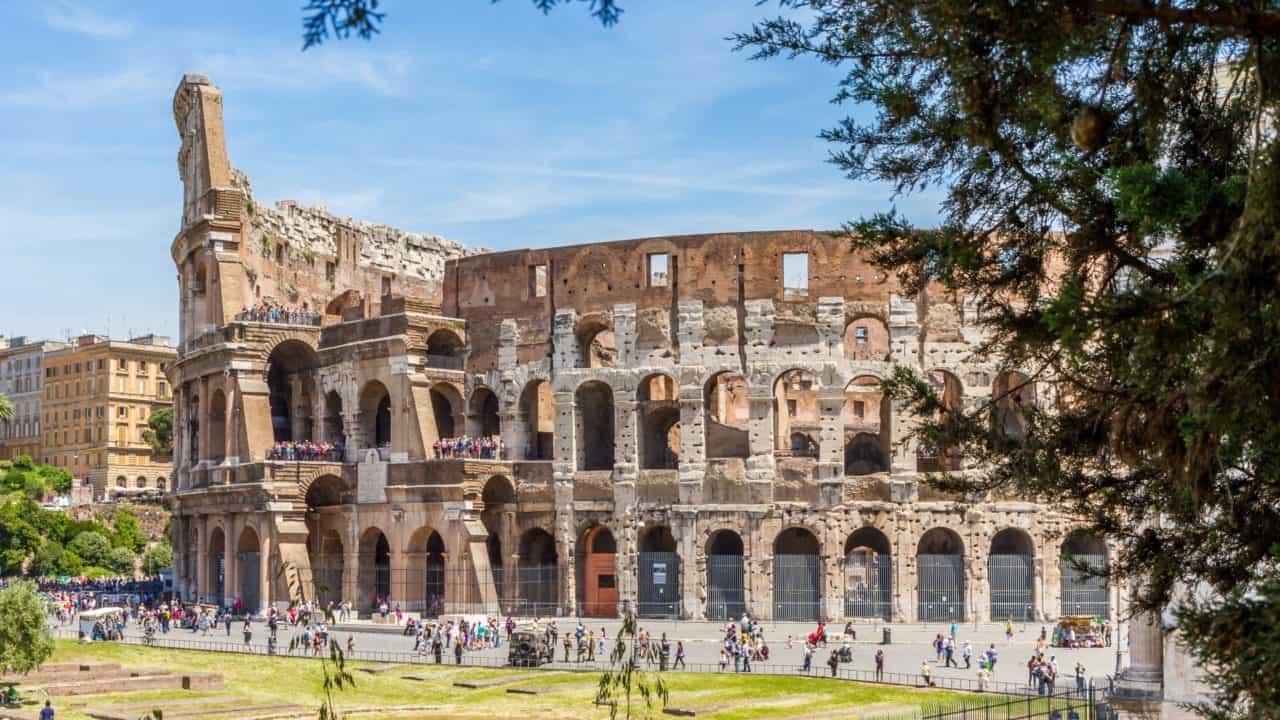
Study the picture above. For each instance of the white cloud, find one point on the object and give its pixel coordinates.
(75, 91)
(66, 16)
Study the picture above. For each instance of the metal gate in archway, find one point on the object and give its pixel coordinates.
(940, 589)
(1012, 590)
(327, 579)
(220, 579)
(658, 594)
(1084, 593)
(797, 588)
(249, 577)
(868, 587)
(726, 595)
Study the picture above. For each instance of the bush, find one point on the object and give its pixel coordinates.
(34, 487)
(70, 563)
(127, 532)
(157, 557)
(92, 547)
(98, 573)
(122, 560)
(25, 639)
(48, 558)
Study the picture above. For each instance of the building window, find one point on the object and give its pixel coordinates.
(123, 366)
(537, 281)
(122, 412)
(162, 389)
(859, 407)
(386, 286)
(658, 269)
(860, 334)
(102, 364)
(142, 367)
(330, 271)
(791, 408)
(795, 274)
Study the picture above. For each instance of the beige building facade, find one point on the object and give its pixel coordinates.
(22, 381)
(97, 396)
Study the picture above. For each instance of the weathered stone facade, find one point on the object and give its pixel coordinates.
(689, 426)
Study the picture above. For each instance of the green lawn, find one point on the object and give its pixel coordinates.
(280, 680)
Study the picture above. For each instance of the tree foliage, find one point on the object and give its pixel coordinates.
(1110, 180)
(159, 432)
(7, 411)
(157, 557)
(126, 532)
(625, 678)
(93, 547)
(25, 640)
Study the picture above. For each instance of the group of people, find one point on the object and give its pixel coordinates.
(306, 450)
(271, 313)
(744, 644)
(441, 637)
(488, 448)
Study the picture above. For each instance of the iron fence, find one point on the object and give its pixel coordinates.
(726, 594)
(797, 588)
(434, 590)
(868, 586)
(658, 591)
(941, 588)
(1069, 705)
(1084, 591)
(1012, 591)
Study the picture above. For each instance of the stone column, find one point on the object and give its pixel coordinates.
(626, 459)
(760, 466)
(202, 557)
(229, 564)
(355, 441)
(830, 468)
(693, 440)
(264, 571)
(202, 433)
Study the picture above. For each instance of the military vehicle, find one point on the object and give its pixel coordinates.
(529, 646)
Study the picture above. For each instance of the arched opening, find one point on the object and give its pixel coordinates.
(795, 406)
(658, 568)
(598, 578)
(498, 494)
(866, 427)
(217, 566)
(538, 420)
(327, 565)
(483, 417)
(599, 347)
(728, 414)
(162, 484)
(1083, 565)
(594, 401)
(426, 585)
(290, 378)
(1014, 395)
(445, 350)
(537, 581)
(122, 481)
(940, 576)
(658, 408)
(1011, 574)
(938, 459)
(334, 429)
(375, 566)
(248, 557)
(866, 338)
(797, 576)
(217, 450)
(140, 482)
(193, 427)
(375, 414)
(445, 402)
(868, 575)
(726, 574)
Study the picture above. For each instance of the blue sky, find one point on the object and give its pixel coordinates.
(487, 123)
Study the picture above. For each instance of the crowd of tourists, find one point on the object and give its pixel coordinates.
(306, 450)
(488, 448)
(744, 644)
(272, 313)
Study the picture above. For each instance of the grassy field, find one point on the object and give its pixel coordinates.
(280, 680)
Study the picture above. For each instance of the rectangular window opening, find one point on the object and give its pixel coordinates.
(859, 408)
(537, 281)
(860, 334)
(795, 274)
(659, 264)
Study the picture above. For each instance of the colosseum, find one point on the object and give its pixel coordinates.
(683, 427)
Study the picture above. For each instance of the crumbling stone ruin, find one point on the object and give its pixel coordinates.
(684, 426)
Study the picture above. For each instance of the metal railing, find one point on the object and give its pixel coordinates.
(445, 362)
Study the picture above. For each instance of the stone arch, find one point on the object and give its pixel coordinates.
(658, 573)
(867, 427)
(537, 582)
(482, 414)
(797, 575)
(726, 575)
(1083, 566)
(537, 420)
(375, 565)
(593, 401)
(727, 415)
(375, 414)
(328, 562)
(795, 405)
(217, 449)
(951, 392)
(426, 585)
(445, 349)
(325, 491)
(140, 482)
(658, 421)
(866, 337)
(347, 300)
(446, 410)
(597, 576)
(940, 576)
(217, 563)
(1013, 395)
(248, 563)
(334, 426)
(598, 347)
(122, 481)
(1011, 575)
(498, 493)
(868, 574)
(291, 366)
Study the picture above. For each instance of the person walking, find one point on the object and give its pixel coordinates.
(879, 665)
(949, 651)
(457, 653)
(926, 673)
(679, 655)
(46, 712)
(967, 654)
(1079, 677)
(833, 662)
(808, 658)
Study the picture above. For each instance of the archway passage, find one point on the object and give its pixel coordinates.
(445, 350)
(866, 427)
(728, 415)
(217, 449)
(940, 576)
(795, 416)
(595, 426)
(598, 587)
(599, 347)
(425, 578)
(375, 414)
(1014, 396)
(290, 370)
(658, 574)
(868, 575)
(797, 576)
(866, 338)
(726, 575)
(327, 566)
(217, 566)
(1011, 575)
(659, 422)
(538, 418)
(483, 415)
(1083, 565)
(248, 559)
(334, 430)
(375, 566)
(536, 587)
(938, 459)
